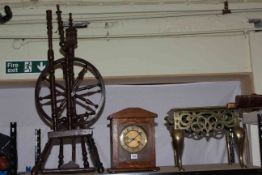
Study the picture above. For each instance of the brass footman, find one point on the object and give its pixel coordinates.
(197, 123)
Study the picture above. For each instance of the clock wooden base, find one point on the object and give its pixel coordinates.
(119, 170)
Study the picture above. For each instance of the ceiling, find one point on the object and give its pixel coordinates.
(120, 2)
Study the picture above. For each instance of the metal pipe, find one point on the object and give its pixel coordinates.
(18, 3)
(130, 15)
(227, 32)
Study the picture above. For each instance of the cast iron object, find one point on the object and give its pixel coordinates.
(8, 15)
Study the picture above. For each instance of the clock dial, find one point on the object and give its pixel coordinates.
(133, 138)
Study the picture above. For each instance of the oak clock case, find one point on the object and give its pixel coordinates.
(132, 132)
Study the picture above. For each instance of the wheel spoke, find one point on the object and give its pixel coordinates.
(60, 86)
(88, 87)
(45, 97)
(86, 114)
(49, 102)
(91, 93)
(46, 103)
(86, 107)
(80, 77)
(61, 107)
(87, 101)
(56, 84)
(59, 93)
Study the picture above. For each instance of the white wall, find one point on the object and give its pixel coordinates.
(139, 40)
(18, 105)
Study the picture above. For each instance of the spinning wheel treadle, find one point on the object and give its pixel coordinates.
(88, 95)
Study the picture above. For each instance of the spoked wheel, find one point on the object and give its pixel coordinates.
(88, 94)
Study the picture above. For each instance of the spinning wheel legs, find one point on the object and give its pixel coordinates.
(84, 153)
(94, 154)
(85, 139)
(42, 159)
(61, 153)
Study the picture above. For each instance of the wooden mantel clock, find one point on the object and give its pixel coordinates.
(132, 141)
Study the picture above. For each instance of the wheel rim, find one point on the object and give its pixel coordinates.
(88, 93)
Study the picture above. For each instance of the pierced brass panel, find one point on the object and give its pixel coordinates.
(205, 122)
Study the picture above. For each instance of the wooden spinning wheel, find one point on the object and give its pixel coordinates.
(88, 95)
(69, 96)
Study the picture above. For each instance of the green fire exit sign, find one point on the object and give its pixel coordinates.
(13, 67)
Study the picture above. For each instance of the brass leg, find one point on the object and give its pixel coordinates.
(239, 137)
(230, 151)
(178, 143)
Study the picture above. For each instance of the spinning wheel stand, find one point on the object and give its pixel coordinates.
(69, 105)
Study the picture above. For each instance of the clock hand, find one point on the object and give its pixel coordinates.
(129, 140)
(132, 139)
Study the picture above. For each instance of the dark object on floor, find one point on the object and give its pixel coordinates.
(248, 101)
(8, 152)
(4, 162)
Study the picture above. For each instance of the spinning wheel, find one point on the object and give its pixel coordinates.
(69, 96)
(88, 95)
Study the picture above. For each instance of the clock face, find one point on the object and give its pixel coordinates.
(133, 138)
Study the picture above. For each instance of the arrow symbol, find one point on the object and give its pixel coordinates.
(41, 66)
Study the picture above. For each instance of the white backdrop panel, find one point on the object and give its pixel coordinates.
(18, 105)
